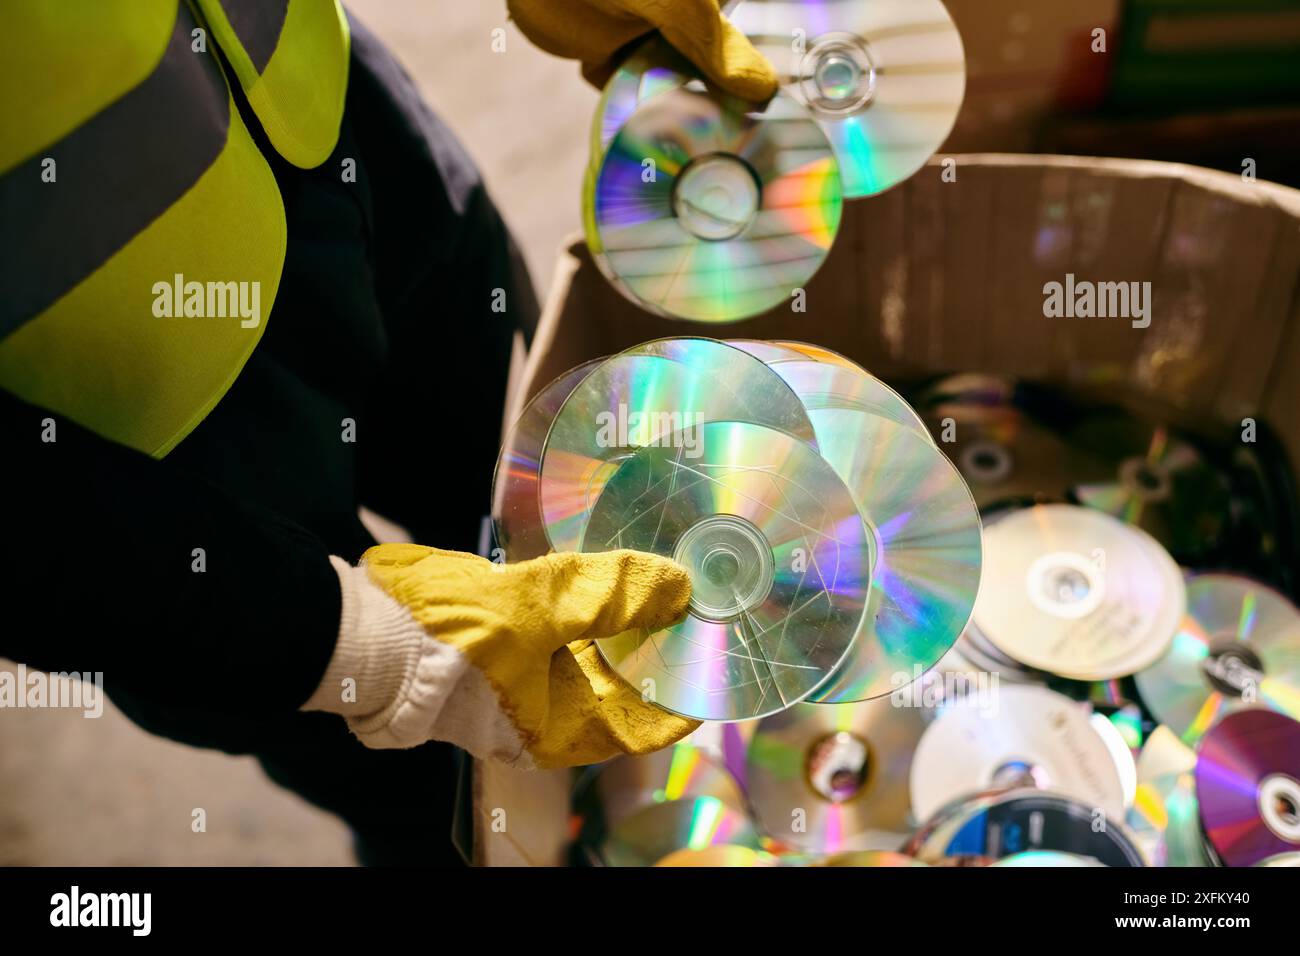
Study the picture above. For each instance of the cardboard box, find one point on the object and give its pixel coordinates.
(936, 276)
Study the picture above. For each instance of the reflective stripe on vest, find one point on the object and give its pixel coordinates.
(291, 58)
(143, 235)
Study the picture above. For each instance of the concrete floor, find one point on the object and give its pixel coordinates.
(102, 792)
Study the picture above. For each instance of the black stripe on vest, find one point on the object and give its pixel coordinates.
(116, 174)
(257, 23)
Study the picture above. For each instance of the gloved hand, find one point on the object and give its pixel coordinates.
(499, 659)
(595, 31)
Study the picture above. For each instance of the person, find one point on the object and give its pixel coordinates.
(250, 285)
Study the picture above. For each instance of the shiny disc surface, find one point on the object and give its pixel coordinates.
(628, 785)
(1165, 820)
(657, 392)
(828, 779)
(1077, 593)
(1238, 646)
(693, 823)
(702, 211)
(885, 79)
(993, 826)
(1158, 481)
(1035, 738)
(516, 497)
(780, 563)
(927, 543)
(1248, 786)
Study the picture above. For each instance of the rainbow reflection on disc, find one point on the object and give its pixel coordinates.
(823, 379)
(871, 858)
(704, 211)
(653, 68)
(1248, 786)
(1164, 820)
(834, 779)
(1238, 646)
(885, 79)
(928, 550)
(692, 823)
(780, 564)
(723, 855)
(520, 531)
(647, 395)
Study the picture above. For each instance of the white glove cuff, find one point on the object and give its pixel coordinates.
(376, 653)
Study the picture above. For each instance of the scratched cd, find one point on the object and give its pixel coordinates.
(926, 530)
(656, 392)
(834, 779)
(1034, 737)
(703, 209)
(992, 826)
(884, 78)
(780, 564)
(1238, 646)
(1248, 786)
(1077, 593)
(832, 383)
(516, 500)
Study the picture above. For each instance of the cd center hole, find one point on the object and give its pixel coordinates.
(1286, 808)
(1066, 586)
(721, 568)
(837, 77)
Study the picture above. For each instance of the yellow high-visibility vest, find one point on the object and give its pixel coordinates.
(142, 230)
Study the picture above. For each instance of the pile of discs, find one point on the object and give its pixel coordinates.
(1105, 704)
(700, 206)
(834, 551)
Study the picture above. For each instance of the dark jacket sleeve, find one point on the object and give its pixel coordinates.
(98, 573)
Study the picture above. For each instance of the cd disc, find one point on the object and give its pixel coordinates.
(1035, 738)
(1077, 593)
(833, 779)
(871, 858)
(1159, 482)
(1046, 858)
(819, 353)
(884, 79)
(1238, 646)
(780, 564)
(653, 68)
(630, 784)
(1164, 820)
(516, 502)
(1248, 786)
(702, 211)
(723, 855)
(832, 383)
(993, 826)
(693, 823)
(658, 392)
(927, 549)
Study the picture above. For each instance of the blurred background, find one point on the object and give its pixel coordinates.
(1206, 82)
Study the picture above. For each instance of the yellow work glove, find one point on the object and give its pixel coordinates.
(596, 31)
(499, 659)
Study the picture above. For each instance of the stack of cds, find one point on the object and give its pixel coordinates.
(1103, 705)
(704, 207)
(834, 551)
